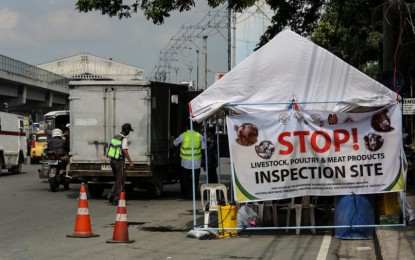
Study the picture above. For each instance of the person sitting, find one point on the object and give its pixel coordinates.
(66, 137)
(59, 145)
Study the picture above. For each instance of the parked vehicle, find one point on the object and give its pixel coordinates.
(55, 119)
(56, 171)
(52, 120)
(13, 147)
(156, 112)
(38, 145)
(30, 140)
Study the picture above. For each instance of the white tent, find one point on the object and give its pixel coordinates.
(292, 67)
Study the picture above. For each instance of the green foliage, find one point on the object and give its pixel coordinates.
(300, 16)
(155, 10)
(348, 31)
(351, 29)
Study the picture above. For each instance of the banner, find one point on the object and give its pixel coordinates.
(290, 153)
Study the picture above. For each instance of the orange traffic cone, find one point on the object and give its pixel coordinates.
(83, 223)
(121, 225)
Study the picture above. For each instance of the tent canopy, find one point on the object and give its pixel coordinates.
(288, 68)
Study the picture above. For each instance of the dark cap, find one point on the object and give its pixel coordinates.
(126, 127)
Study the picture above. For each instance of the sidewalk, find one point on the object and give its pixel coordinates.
(398, 242)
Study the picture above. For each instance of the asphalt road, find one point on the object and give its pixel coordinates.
(34, 223)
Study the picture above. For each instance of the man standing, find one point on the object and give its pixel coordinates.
(186, 150)
(118, 151)
(212, 155)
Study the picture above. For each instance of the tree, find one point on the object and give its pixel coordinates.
(351, 30)
(300, 16)
(155, 10)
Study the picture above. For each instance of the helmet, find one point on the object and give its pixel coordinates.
(56, 132)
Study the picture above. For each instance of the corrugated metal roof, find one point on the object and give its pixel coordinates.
(88, 67)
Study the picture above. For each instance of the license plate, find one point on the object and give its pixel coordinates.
(53, 162)
(105, 167)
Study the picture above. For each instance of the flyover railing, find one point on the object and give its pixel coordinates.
(25, 70)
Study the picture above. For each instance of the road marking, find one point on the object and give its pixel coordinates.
(324, 248)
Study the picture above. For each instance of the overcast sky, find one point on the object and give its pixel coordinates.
(40, 31)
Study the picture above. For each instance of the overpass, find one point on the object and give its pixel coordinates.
(26, 89)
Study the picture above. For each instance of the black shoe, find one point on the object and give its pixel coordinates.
(115, 202)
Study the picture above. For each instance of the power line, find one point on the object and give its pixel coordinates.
(211, 24)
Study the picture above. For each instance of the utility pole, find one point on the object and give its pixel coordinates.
(176, 68)
(190, 63)
(205, 52)
(234, 41)
(197, 70)
(229, 38)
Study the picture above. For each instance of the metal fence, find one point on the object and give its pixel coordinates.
(29, 71)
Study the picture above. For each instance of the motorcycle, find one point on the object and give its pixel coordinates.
(56, 172)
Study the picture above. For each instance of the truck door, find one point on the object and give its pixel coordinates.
(97, 113)
(132, 105)
(88, 126)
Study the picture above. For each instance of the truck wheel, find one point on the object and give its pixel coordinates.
(156, 189)
(95, 190)
(66, 184)
(54, 185)
(17, 168)
(182, 188)
(1, 164)
(129, 188)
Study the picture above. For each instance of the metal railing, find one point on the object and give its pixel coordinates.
(29, 71)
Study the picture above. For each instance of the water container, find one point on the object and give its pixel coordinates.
(227, 218)
(354, 210)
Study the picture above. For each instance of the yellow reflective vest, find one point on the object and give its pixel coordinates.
(114, 150)
(186, 147)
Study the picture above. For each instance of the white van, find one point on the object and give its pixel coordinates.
(13, 148)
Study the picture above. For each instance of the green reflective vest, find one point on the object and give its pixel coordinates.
(186, 147)
(115, 147)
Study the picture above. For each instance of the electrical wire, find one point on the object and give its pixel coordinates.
(175, 46)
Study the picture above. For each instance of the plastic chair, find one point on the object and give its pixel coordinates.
(305, 204)
(260, 208)
(212, 190)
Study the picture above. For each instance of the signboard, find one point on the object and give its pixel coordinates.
(290, 153)
(408, 106)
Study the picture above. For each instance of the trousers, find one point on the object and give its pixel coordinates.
(186, 182)
(117, 167)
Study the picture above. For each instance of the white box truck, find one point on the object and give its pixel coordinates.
(156, 112)
(13, 143)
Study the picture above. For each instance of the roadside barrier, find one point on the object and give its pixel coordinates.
(120, 234)
(83, 223)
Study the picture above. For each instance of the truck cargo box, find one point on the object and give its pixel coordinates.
(156, 112)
